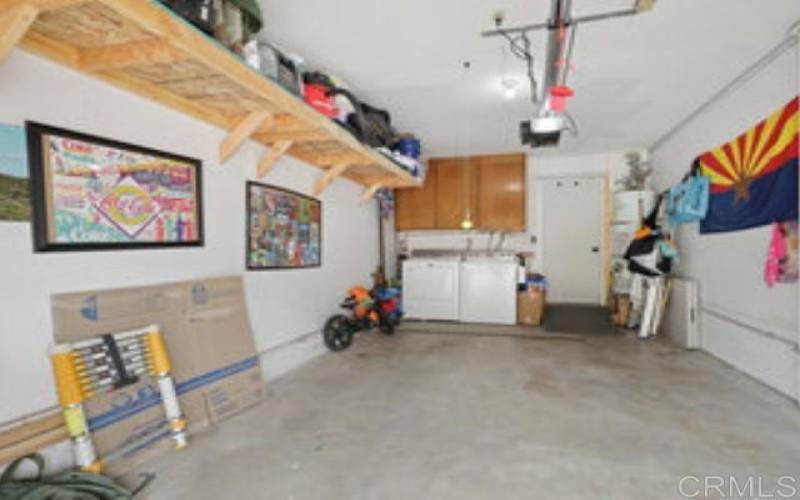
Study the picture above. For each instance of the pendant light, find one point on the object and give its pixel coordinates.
(466, 223)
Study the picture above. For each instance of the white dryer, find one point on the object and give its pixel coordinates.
(489, 290)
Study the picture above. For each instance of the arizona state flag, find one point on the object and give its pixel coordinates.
(754, 177)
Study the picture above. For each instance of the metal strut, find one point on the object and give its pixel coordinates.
(561, 27)
(638, 8)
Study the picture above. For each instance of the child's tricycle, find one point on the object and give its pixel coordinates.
(369, 309)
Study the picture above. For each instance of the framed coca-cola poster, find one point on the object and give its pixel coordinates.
(92, 193)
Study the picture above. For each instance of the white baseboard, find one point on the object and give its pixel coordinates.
(284, 358)
(768, 359)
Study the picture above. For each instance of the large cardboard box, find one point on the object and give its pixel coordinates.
(530, 307)
(215, 364)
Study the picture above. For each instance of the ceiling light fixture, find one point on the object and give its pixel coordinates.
(510, 87)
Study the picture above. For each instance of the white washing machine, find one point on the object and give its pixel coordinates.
(431, 288)
(488, 290)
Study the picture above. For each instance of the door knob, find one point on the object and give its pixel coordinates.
(595, 249)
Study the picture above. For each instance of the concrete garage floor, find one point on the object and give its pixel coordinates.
(472, 417)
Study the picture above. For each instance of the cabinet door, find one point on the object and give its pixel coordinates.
(456, 193)
(501, 192)
(415, 208)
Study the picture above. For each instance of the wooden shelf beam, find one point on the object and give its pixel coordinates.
(335, 158)
(43, 5)
(370, 192)
(161, 23)
(129, 54)
(14, 23)
(242, 133)
(63, 54)
(144, 48)
(275, 153)
(156, 93)
(330, 176)
(291, 135)
(71, 58)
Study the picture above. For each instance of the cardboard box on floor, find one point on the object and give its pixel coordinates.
(622, 310)
(530, 307)
(215, 365)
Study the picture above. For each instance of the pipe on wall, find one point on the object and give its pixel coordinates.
(791, 40)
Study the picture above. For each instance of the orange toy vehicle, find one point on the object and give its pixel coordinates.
(370, 308)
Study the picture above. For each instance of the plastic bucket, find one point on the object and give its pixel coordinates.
(409, 147)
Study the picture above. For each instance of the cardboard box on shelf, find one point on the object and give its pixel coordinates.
(530, 307)
(214, 360)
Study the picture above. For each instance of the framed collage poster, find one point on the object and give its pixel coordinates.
(91, 193)
(284, 229)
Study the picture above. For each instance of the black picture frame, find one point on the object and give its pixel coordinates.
(40, 179)
(250, 185)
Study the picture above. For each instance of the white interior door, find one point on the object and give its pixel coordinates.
(572, 238)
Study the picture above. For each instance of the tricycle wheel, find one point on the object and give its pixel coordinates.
(337, 333)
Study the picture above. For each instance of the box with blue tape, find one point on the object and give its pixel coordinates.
(208, 337)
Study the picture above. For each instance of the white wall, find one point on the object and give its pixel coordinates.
(745, 323)
(611, 163)
(284, 305)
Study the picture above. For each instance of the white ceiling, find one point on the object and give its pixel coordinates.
(634, 77)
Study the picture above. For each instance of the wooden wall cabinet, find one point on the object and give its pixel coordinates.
(489, 189)
(456, 192)
(501, 192)
(416, 208)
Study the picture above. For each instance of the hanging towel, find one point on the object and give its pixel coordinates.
(776, 253)
(688, 201)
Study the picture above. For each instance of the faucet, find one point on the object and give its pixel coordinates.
(500, 243)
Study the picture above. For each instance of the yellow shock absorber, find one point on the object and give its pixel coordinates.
(95, 467)
(67, 381)
(160, 368)
(157, 352)
(75, 419)
(71, 395)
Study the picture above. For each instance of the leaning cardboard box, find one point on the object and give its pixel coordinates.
(215, 364)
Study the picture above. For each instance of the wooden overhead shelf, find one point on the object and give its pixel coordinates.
(142, 47)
